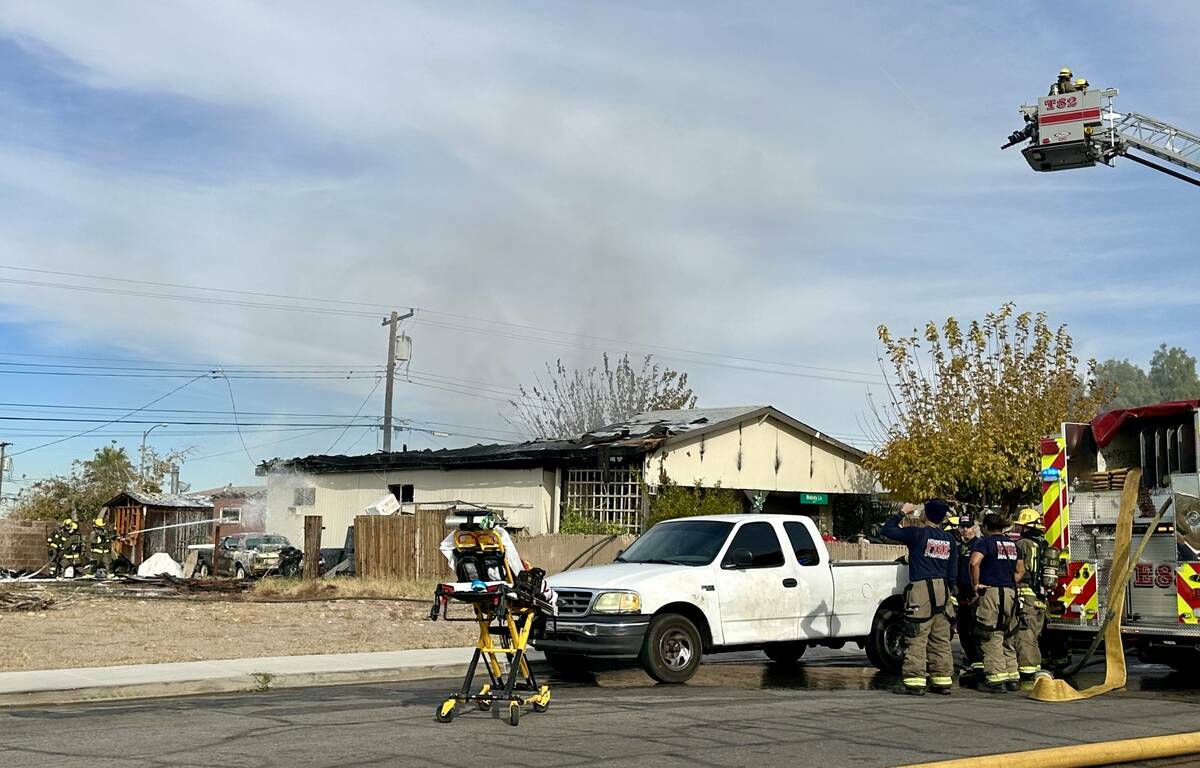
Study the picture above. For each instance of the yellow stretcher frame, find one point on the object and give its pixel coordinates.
(504, 628)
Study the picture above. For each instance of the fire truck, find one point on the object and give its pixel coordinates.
(1083, 475)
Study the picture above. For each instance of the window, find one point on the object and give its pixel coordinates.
(403, 493)
(683, 542)
(231, 515)
(252, 542)
(802, 544)
(305, 497)
(762, 543)
(229, 542)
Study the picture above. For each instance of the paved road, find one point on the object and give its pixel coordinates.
(739, 712)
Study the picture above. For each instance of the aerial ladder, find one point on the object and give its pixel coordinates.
(1080, 129)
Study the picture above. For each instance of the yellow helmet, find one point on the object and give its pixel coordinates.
(951, 522)
(1029, 516)
(1064, 72)
(1081, 83)
(98, 521)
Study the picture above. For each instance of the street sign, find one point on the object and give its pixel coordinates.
(814, 498)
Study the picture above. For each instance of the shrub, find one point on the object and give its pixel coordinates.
(674, 501)
(576, 521)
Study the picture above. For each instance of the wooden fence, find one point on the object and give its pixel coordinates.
(406, 547)
(400, 546)
(864, 550)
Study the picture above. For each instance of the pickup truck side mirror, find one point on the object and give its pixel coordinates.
(738, 558)
(619, 554)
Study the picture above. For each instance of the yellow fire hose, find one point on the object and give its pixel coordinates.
(1047, 689)
(1080, 755)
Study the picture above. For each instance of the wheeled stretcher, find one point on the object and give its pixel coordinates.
(505, 605)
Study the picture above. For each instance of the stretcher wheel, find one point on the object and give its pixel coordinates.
(445, 712)
(484, 706)
(514, 713)
(541, 707)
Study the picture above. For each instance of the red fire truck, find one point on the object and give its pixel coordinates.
(1083, 474)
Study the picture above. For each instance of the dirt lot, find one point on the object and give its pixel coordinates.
(84, 631)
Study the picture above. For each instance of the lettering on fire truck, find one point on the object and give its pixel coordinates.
(1160, 576)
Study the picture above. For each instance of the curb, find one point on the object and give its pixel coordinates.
(1081, 755)
(254, 682)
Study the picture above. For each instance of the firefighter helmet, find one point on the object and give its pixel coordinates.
(1082, 83)
(1065, 72)
(1029, 516)
(99, 521)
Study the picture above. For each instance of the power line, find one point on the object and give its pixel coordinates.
(114, 421)
(795, 369)
(360, 407)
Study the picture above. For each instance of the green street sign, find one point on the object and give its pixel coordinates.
(814, 498)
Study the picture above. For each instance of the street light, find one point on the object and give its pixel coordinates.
(142, 456)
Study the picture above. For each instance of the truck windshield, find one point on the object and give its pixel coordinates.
(679, 542)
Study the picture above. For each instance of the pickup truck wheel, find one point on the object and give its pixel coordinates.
(202, 571)
(672, 648)
(885, 646)
(785, 653)
(241, 572)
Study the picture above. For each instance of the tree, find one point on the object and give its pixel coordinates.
(90, 484)
(1172, 376)
(1129, 383)
(967, 408)
(567, 403)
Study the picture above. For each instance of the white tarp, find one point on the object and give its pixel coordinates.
(160, 564)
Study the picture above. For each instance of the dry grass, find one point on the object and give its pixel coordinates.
(279, 588)
(85, 631)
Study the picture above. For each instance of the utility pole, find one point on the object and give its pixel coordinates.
(2, 447)
(393, 323)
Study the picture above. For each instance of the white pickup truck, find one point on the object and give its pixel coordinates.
(724, 583)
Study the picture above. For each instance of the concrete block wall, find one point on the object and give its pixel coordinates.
(23, 543)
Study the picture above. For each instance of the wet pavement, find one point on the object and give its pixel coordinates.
(830, 710)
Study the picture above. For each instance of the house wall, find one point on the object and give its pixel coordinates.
(523, 496)
(253, 512)
(760, 454)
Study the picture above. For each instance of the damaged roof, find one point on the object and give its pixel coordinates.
(634, 437)
(169, 500)
(233, 491)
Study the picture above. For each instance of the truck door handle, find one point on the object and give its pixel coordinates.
(789, 583)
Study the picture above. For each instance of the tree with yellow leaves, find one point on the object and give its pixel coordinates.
(966, 407)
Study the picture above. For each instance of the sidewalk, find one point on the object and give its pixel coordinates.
(140, 681)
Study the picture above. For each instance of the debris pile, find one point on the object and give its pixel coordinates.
(24, 601)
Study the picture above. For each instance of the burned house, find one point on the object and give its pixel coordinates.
(781, 464)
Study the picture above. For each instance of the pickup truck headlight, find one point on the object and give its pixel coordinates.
(618, 602)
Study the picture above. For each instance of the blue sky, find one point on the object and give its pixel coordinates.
(766, 184)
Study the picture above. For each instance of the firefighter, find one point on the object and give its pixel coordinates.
(996, 568)
(932, 565)
(100, 546)
(56, 542)
(1063, 84)
(1081, 85)
(1029, 593)
(73, 546)
(965, 534)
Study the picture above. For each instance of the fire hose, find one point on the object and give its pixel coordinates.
(1047, 689)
